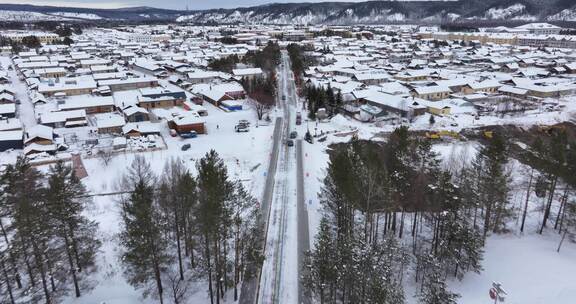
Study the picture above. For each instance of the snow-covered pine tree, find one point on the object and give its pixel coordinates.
(24, 196)
(65, 202)
(434, 289)
(494, 184)
(145, 255)
(214, 220)
(321, 276)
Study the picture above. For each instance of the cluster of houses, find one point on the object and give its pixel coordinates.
(118, 83)
(407, 75)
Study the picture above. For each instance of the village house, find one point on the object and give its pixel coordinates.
(63, 119)
(151, 98)
(11, 140)
(431, 92)
(187, 123)
(249, 73)
(486, 86)
(7, 110)
(117, 85)
(91, 104)
(110, 123)
(68, 87)
(140, 129)
(135, 114)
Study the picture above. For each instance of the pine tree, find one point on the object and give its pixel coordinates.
(493, 184)
(214, 218)
(145, 255)
(320, 267)
(434, 289)
(24, 197)
(65, 205)
(244, 215)
(172, 203)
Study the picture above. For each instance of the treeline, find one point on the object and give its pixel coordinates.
(48, 245)
(391, 207)
(178, 228)
(224, 64)
(267, 59)
(320, 97)
(553, 158)
(263, 89)
(299, 61)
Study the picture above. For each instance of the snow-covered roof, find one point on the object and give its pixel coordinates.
(247, 72)
(109, 121)
(11, 135)
(39, 131)
(84, 101)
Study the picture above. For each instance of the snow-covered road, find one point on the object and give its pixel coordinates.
(279, 281)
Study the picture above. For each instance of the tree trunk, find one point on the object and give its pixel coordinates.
(27, 262)
(487, 216)
(236, 260)
(40, 266)
(7, 280)
(549, 204)
(526, 202)
(207, 249)
(401, 224)
(158, 280)
(562, 207)
(75, 249)
(11, 257)
(72, 268)
(561, 241)
(179, 248)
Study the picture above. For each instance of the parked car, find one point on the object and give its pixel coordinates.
(241, 128)
(186, 147)
(191, 134)
(293, 134)
(308, 138)
(290, 143)
(244, 122)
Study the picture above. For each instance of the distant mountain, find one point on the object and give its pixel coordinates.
(370, 12)
(73, 13)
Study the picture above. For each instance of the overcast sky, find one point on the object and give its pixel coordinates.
(173, 4)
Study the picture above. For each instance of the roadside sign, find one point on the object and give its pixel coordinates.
(493, 293)
(497, 293)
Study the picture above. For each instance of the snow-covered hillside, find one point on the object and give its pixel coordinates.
(28, 16)
(565, 15)
(77, 15)
(513, 12)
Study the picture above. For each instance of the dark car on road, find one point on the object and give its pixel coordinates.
(290, 143)
(185, 147)
(293, 135)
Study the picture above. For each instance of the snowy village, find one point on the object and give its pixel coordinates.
(190, 161)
